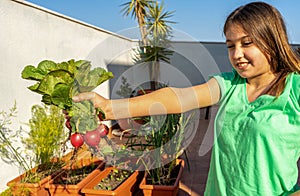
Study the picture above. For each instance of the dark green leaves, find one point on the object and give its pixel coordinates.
(32, 73)
(59, 82)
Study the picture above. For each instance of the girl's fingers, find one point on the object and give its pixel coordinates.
(84, 96)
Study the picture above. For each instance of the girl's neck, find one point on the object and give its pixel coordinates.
(262, 81)
(260, 85)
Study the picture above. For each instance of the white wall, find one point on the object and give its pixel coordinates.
(30, 34)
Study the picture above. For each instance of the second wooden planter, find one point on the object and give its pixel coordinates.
(126, 188)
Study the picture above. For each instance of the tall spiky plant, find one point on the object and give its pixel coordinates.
(159, 34)
(155, 32)
(138, 10)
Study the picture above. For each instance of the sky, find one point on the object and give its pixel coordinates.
(196, 20)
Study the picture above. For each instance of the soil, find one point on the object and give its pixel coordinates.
(41, 172)
(113, 179)
(74, 176)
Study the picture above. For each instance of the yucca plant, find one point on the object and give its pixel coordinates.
(156, 33)
(138, 10)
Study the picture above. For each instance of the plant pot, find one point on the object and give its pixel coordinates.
(128, 124)
(162, 190)
(127, 187)
(17, 187)
(60, 185)
(144, 91)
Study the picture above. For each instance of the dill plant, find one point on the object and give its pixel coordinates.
(47, 133)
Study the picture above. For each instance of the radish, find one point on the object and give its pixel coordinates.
(76, 140)
(92, 138)
(103, 130)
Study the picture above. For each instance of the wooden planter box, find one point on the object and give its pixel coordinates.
(38, 188)
(59, 189)
(127, 188)
(32, 189)
(17, 187)
(161, 190)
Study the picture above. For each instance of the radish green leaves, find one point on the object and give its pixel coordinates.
(59, 82)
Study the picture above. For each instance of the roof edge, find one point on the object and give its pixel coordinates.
(32, 5)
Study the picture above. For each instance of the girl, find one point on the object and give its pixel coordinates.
(258, 123)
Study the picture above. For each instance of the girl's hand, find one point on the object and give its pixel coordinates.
(97, 99)
(99, 102)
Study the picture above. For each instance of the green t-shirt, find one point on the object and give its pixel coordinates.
(257, 144)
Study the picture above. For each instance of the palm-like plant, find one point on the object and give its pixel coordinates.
(155, 31)
(138, 10)
(159, 33)
(158, 23)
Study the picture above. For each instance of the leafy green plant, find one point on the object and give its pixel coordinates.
(59, 82)
(125, 90)
(12, 152)
(164, 141)
(46, 134)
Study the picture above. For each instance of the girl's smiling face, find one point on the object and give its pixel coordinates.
(245, 57)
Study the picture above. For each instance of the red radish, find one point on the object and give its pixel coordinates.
(92, 138)
(103, 130)
(76, 140)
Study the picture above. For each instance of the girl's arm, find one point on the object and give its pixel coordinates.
(163, 101)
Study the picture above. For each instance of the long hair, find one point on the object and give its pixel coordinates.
(266, 27)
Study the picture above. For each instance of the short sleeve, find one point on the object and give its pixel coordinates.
(225, 80)
(295, 92)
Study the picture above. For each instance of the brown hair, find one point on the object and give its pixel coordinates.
(267, 29)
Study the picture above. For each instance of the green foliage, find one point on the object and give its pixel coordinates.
(137, 8)
(161, 144)
(23, 191)
(125, 90)
(158, 23)
(166, 138)
(156, 33)
(10, 152)
(59, 82)
(46, 133)
(45, 127)
(158, 36)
